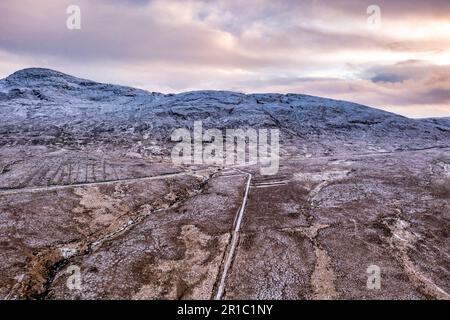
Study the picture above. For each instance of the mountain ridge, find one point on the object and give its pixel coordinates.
(38, 74)
(44, 104)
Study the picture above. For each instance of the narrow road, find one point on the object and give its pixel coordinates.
(234, 239)
(90, 184)
(366, 154)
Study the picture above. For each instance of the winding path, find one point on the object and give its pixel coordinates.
(92, 184)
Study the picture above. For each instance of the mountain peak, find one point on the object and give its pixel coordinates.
(40, 76)
(36, 72)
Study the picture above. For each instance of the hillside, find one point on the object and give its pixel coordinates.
(47, 106)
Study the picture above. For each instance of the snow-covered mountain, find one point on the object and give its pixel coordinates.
(442, 122)
(46, 106)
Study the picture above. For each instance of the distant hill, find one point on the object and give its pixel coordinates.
(47, 106)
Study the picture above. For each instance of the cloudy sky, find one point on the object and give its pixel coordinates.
(324, 48)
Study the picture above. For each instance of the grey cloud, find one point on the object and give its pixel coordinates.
(388, 77)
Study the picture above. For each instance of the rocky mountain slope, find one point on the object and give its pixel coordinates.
(45, 106)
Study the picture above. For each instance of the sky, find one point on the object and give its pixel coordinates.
(398, 60)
